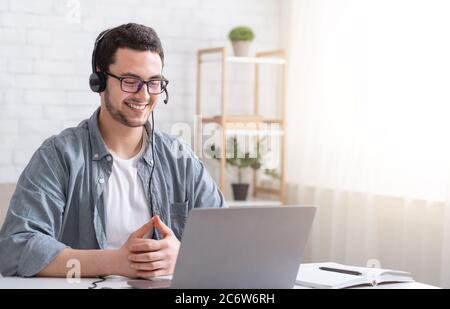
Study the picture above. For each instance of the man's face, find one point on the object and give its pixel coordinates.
(131, 109)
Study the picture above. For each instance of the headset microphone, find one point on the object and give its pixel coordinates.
(166, 100)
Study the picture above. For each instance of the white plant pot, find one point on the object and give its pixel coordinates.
(241, 48)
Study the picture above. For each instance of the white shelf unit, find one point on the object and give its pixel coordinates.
(226, 121)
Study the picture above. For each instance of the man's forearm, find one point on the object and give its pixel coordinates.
(93, 263)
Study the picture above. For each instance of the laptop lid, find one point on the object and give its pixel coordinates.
(245, 247)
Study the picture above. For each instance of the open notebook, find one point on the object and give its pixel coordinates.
(338, 276)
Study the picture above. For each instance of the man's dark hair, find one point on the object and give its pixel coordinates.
(133, 36)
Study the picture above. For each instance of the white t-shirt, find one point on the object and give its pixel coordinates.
(126, 206)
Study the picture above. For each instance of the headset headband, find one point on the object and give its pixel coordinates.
(94, 52)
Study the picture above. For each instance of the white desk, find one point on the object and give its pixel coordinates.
(121, 283)
(60, 283)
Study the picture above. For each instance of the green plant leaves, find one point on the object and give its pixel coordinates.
(241, 33)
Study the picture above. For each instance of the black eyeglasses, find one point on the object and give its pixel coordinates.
(134, 85)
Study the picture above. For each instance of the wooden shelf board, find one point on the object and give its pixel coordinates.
(240, 118)
(257, 60)
(267, 190)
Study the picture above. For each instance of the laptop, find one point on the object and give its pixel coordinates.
(239, 248)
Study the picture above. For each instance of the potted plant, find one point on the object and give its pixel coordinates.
(241, 161)
(241, 38)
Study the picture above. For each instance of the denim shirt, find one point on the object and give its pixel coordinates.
(58, 199)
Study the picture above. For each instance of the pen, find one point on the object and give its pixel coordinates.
(343, 271)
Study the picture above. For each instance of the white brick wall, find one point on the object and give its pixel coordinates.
(45, 59)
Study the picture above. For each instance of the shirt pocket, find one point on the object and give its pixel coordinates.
(178, 216)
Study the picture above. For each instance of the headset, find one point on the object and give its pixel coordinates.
(97, 83)
(97, 80)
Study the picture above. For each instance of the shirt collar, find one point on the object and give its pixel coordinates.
(99, 150)
(148, 152)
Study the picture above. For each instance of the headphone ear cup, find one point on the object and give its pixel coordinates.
(97, 82)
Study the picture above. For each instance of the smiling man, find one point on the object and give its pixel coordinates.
(113, 192)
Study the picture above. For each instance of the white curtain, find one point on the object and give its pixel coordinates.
(368, 131)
